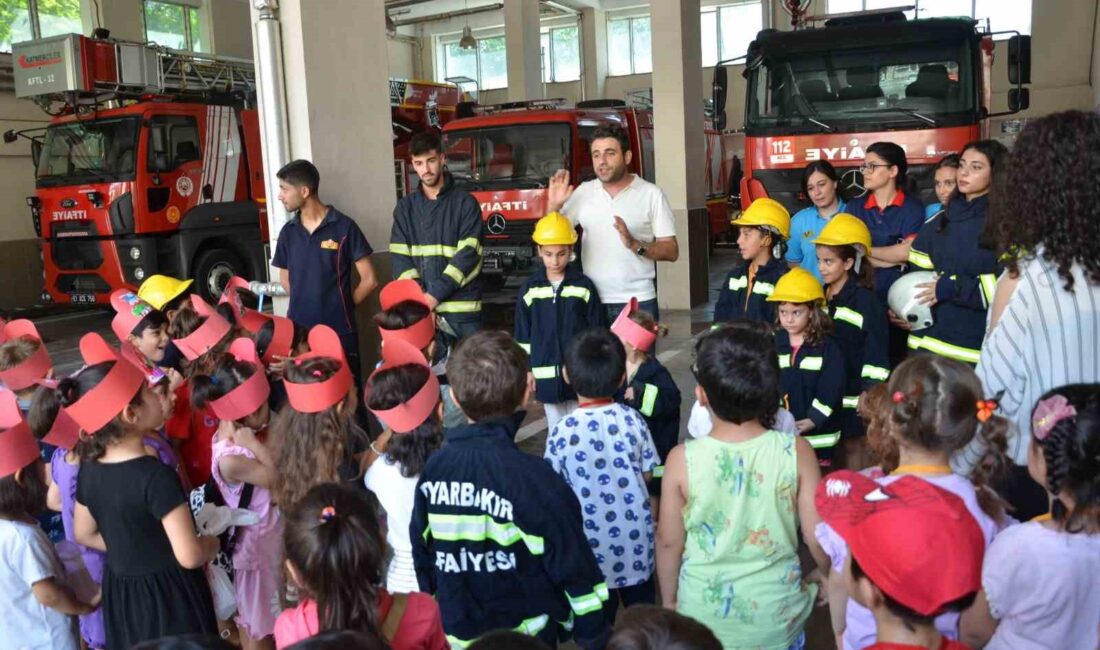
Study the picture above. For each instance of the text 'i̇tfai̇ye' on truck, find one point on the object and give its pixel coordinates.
(151, 163)
(827, 93)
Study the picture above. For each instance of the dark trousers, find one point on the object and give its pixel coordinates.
(644, 593)
(461, 328)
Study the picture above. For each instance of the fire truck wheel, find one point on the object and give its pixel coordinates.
(213, 270)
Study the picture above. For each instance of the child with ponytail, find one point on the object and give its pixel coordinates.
(935, 408)
(335, 556)
(132, 506)
(244, 471)
(314, 436)
(404, 395)
(1039, 578)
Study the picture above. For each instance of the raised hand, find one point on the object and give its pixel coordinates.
(558, 191)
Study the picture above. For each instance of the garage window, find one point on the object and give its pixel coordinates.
(174, 25)
(1002, 14)
(25, 20)
(727, 30)
(561, 54)
(629, 46)
(487, 63)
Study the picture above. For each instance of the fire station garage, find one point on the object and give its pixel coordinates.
(142, 138)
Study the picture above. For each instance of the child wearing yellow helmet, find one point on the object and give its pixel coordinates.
(764, 229)
(859, 322)
(811, 364)
(555, 304)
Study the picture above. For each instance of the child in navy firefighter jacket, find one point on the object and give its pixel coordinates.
(762, 241)
(497, 534)
(948, 245)
(811, 365)
(859, 319)
(649, 388)
(555, 304)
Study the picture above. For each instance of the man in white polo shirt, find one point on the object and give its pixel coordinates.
(627, 221)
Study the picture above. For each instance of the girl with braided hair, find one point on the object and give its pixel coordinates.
(1022, 606)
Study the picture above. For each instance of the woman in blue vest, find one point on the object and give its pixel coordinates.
(949, 245)
(819, 181)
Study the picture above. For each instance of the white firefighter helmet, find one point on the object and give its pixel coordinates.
(903, 299)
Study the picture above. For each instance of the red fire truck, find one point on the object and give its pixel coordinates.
(152, 163)
(505, 155)
(827, 93)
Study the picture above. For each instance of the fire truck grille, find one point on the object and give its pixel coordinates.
(81, 283)
(515, 231)
(77, 254)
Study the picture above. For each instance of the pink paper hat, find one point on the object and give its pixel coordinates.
(17, 445)
(420, 333)
(405, 417)
(282, 339)
(318, 396)
(246, 399)
(35, 367)
(100, 405)
(250, 319)
(129, 310)
(203, 339)
(631, 332)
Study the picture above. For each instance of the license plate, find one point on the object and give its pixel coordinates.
(82, 298)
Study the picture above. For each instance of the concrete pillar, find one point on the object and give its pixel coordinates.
(679, 148)
(337, 87)
(594, 52)
(125, 18)
(521, 34)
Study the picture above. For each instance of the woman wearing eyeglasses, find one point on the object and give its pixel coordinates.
(894, 217)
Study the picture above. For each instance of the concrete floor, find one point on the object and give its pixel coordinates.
(63, 331)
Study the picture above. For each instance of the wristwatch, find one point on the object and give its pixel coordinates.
(640, 251)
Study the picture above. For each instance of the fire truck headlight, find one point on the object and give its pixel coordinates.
(139, 274)
(135, 253)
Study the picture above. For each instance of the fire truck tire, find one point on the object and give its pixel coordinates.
(213, 268)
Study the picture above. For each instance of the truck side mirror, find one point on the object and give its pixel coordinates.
(10, 136)
(36, 152)
(718, 97)
(1019, 60)
(1019, 99)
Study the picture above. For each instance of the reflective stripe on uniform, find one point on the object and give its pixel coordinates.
(469, 242)
(822, 408)
(737, 284)
(874, 372)
(538, 293)
(914, 341)
(823, 440)
(784, 361)
(544, 372)
(811, 363)
(851, 402)
(459, 307)
(480, 528)
(849, 316)
(526, 347)
(917, 258)
(530, 627)
(576, 292)
(649, 400)
(409, 274)
(658, 471)
(430, 250)
(763, 288)
(989, 286)
(589, 602)
(399, 249)
(452, 272)
(944, 349)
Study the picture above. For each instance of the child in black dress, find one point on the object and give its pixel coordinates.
(132, 506)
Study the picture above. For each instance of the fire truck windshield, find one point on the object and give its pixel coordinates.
(849, 89)
(516, 156)
(88, 151)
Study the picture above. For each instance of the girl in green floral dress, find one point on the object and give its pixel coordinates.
(727, 541)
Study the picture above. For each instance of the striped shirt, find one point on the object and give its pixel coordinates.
(1046, 338)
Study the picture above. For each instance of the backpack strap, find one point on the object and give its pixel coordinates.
(394, 616)
(245, 501)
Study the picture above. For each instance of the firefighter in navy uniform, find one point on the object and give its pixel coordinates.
(762, 240)
(436, 240)
(811, 364)
(555, 304)
(860, 326)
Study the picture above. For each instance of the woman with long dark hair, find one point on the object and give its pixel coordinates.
(949, 245)
(1043, 217)
(819, 181)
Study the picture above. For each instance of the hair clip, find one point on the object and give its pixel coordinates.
(985, 409)
(213, 380)
(327, 513)
(898, 397)
(1048, 413)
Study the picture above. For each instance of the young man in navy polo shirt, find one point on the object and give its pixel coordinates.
(316, 253)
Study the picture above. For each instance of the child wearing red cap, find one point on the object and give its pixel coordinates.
(35, 602)
(1039, 579)
(733, 502)
(314, 436)
(133, 507)
(915, 552)
(244, 470)
(404, 395)
(935, 408)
